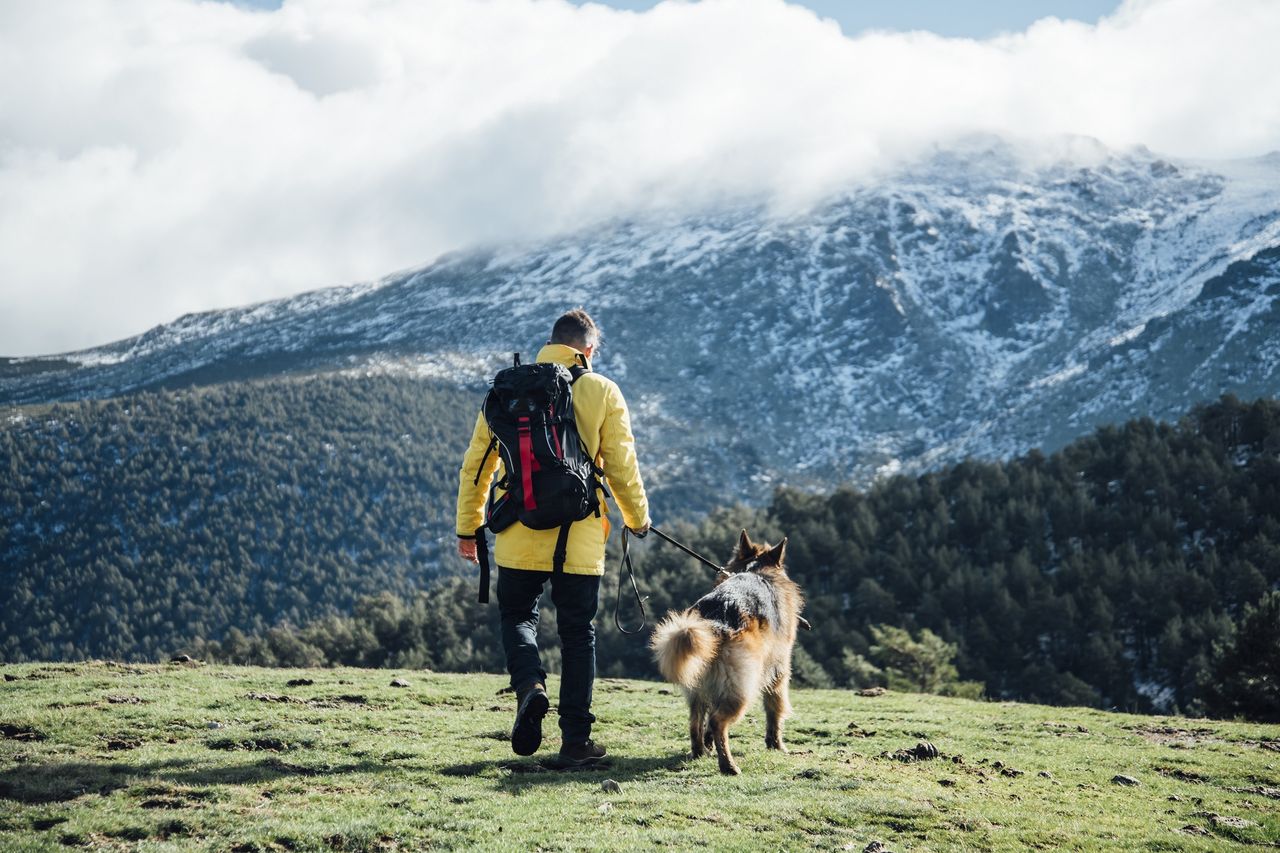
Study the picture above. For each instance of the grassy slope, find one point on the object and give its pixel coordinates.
(129, 757)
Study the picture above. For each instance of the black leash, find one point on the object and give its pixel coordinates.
(688, 550)
(631, 573)
(626, 563)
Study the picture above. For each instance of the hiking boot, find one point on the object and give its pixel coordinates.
(526, 734)
(582, 753)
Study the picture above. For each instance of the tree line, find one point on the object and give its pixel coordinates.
(309, 522)
(1135, 569)
(130, 525)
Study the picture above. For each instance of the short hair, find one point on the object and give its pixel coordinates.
(576, 329)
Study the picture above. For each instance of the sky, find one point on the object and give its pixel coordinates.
(944, 17)
(159, 157)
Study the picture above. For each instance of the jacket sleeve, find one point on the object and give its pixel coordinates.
(621, 468)
(472, 494)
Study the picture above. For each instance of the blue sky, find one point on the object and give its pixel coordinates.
(944, 17)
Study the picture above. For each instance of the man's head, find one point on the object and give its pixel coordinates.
(576, 329)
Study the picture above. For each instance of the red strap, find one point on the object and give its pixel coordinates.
(527, 463)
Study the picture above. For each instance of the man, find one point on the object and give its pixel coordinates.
(525, 556)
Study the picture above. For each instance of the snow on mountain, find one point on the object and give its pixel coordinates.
(974, 304)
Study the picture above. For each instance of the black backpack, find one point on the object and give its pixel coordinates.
(550, 480)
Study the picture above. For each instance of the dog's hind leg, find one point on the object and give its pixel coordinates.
(721, 719)
(777, 705)
(699, 733)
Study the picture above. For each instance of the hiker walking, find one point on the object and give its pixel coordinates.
(559, 433)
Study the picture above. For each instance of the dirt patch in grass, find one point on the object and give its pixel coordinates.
(343, 700)
(1182, 775)
(123, 742)
(14, 731)
(266, 743)
(271, 697)
(164, 803)
(1177, 737)
(1259, 790)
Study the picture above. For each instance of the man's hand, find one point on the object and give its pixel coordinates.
(467, 550)
(641, 531)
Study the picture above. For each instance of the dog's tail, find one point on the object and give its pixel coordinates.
(684, 643)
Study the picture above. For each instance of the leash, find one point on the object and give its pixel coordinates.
(626, 564)
(635, 590)
(631, 573)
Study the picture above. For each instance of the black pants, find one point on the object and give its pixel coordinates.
(575, 598)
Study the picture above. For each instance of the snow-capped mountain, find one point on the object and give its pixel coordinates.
(975, 304)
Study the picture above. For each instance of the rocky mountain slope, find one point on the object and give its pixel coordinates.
(975, 304)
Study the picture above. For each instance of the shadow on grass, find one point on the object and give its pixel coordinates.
(60, 781)
(528, 772)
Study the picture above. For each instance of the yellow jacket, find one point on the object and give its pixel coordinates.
(605, 427)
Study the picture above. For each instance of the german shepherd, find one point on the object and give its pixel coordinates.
(731, 645)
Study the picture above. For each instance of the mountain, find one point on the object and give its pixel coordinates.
(977, 303)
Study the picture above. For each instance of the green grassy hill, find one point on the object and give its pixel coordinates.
(186, 756)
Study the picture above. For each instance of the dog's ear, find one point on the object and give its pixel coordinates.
(775, 555)
(746, 550)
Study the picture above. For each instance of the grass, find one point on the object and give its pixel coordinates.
(192, 757)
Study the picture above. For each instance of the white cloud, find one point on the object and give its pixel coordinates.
(163, 156)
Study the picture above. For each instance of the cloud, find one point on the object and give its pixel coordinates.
(164, 156)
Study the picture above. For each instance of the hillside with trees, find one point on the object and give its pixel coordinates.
(309, 522)
(1129, 570)
(130, 524)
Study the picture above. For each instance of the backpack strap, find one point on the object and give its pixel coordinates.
(578, 369)
(482, 555)
(493, 442)
(562, 548)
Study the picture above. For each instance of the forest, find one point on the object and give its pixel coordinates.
(306, 522)
(132, 524)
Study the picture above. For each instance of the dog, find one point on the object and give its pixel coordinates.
(732, 645)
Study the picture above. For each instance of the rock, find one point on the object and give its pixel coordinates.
(1045, 774)
(299, 682)
(1192, 829)
(399, 682)
(8, 676)
(609, 786)
(214, 724)
(872, 691)
(922, 751)
(809, 773)
(180, 659)
(947, 783)
(1121, 779)
(605, 808)
(875, 847)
